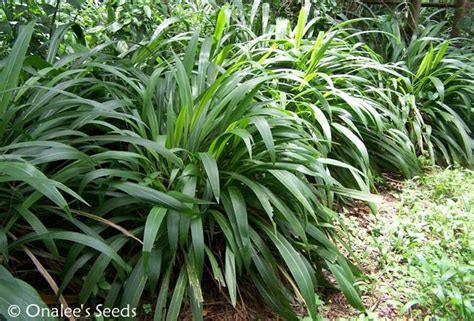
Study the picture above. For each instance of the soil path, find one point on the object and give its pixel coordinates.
(380, 304)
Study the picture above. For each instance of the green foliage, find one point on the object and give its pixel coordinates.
(435, 96)
(141, 155)
(443, 262)
(15, 292)
(192, 158)
(425, 253)
(15, 15)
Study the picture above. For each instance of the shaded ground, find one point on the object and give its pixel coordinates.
(417, 253)
(380, 304)
(217, 305)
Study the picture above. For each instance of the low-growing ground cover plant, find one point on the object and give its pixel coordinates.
(423, 263)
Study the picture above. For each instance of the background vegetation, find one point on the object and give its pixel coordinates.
(151, 149)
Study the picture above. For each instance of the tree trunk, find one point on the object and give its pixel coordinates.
(414, 15)
(459, 13)
(351, 8)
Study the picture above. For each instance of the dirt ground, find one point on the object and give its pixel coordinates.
(336, 305)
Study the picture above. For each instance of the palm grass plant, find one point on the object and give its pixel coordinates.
(334, 83)
(214, 152)
(163, 177)
(434, 98)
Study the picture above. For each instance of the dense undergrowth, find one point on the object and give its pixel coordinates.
(220, 145)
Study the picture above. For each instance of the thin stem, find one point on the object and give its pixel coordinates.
(56, 10)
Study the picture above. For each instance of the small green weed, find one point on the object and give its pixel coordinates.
(424, 252)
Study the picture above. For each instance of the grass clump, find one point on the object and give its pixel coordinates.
(143, 160)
